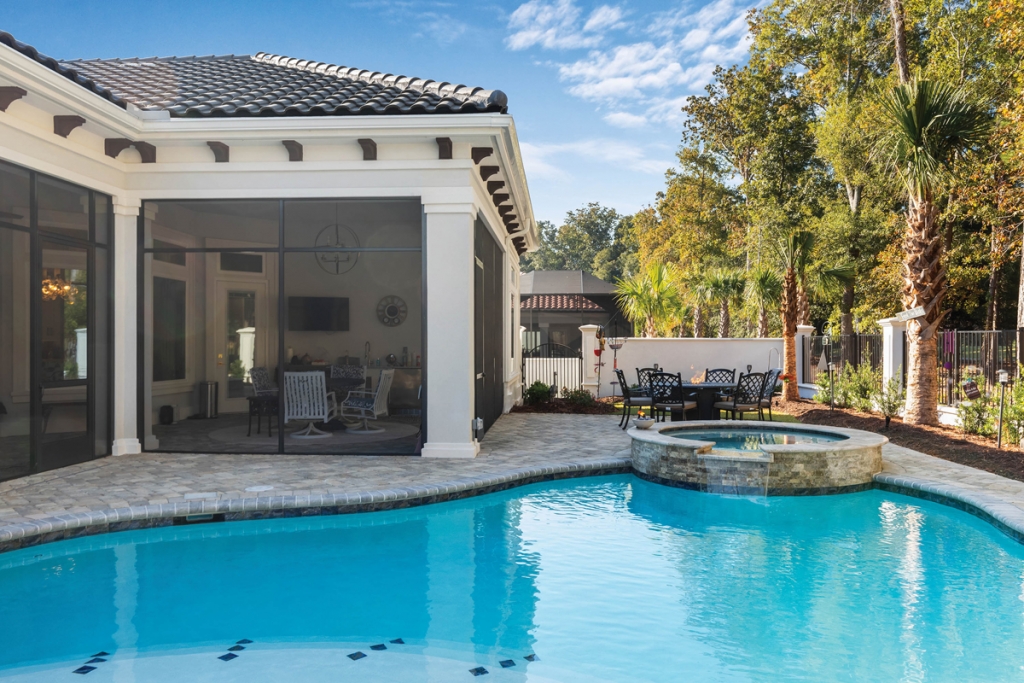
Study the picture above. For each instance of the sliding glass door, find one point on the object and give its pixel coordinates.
(54, 323)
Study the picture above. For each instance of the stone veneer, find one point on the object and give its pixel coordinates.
(776, 470)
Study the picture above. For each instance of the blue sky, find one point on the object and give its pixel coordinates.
(595, 87)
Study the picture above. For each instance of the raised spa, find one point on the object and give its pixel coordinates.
(755, 458)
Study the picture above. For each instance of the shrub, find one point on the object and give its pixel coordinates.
(537, 393)
(978, 416)
(855, 387)
(889, 399)
(578, 397)
(1013, 413)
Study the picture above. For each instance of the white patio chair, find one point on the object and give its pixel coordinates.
(306, 398)
(368, 405)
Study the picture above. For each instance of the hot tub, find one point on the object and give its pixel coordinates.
(757, 458)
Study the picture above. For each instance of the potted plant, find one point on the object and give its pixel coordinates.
(643, 420)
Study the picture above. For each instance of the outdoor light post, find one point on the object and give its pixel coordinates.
(1004, 379)
(831, 390)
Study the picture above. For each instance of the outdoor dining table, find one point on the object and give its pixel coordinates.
(707, 394)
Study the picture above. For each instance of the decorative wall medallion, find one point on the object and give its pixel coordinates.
(337, 236)
(392, 311)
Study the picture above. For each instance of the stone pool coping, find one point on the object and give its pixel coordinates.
(855, 438)
(76, 525)
(522, 449)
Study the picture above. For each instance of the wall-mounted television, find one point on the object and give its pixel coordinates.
(317, 314)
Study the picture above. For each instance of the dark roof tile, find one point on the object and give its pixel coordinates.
(262, 85)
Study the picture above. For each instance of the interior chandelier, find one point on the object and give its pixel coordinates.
(56, 287)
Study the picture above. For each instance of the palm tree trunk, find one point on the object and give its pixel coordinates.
(924, 284)
(698, 322)
(790, 390)
(762, 321)
(803, 306)
(846, 310)
(723, 320)
(900, 35)
(650, 329)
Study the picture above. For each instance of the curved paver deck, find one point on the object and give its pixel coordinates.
(115, 494)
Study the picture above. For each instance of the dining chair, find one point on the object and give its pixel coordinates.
(643, 378)
(770, 380)
(719, 375)
(667, 394)
(746, 397)
(629, 399)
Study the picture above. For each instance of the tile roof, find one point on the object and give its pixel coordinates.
(559, 302)
(262, 85)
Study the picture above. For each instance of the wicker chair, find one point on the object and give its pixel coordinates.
(746, 397)
(629, 399)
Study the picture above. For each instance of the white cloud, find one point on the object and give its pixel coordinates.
(557, 25)
(548, 161)
(623, 119)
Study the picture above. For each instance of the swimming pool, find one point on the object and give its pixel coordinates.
(601, 579)
(752, 439)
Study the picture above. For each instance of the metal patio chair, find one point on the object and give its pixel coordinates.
(629, 399)
(368, 405)
(667, 394)
(306, 398)
(770, 380)
(746, 397)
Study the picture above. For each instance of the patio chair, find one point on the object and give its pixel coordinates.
(263, 402)
(629, 399)
(306, 398)
(770, 380)
(720, 375)
(643, 379)
(368, 405)
(746, 397)
(667, 394)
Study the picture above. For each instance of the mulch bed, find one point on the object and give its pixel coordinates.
(947, 443)
(603, 406)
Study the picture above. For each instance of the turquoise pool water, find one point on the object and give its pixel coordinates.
(602, 579)
(752, 439)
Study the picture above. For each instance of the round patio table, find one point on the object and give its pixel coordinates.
(707, 393)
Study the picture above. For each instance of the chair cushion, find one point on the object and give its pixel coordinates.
(745, 407)
(639, 401)
(358, 402)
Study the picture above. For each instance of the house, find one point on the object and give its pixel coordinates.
(253, 237)
(555, 303)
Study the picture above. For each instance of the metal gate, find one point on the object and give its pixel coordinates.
(553, 364)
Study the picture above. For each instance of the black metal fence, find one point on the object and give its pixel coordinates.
(553, 364)
(972, 355)
(842, 350)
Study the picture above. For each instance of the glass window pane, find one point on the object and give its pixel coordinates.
(241, 263)
(214, 224)
(65, 313)
(360, 330)
(352, 223)
(63, 208)
(14, 197)
(64, 435)
(104, 216)
(15, 383)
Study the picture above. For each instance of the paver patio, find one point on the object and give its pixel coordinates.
(116, 493)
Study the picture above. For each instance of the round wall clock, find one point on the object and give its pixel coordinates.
(391, 311)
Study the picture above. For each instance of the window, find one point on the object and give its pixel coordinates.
(169, 304)
(241, 263)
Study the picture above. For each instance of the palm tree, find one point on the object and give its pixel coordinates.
(929, 124)
(649, 297)
(699, 294)
(793, 251)
(764, 288)
(725, 285)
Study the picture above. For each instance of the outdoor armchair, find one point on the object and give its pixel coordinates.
(746, 397)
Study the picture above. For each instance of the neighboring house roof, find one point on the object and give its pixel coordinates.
(559, 302)
(563, 282)
(262, 85)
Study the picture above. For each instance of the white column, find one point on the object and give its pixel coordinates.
(801, 332)
(126, 214)
(450, 343)
(590, 361)
(892, 348)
